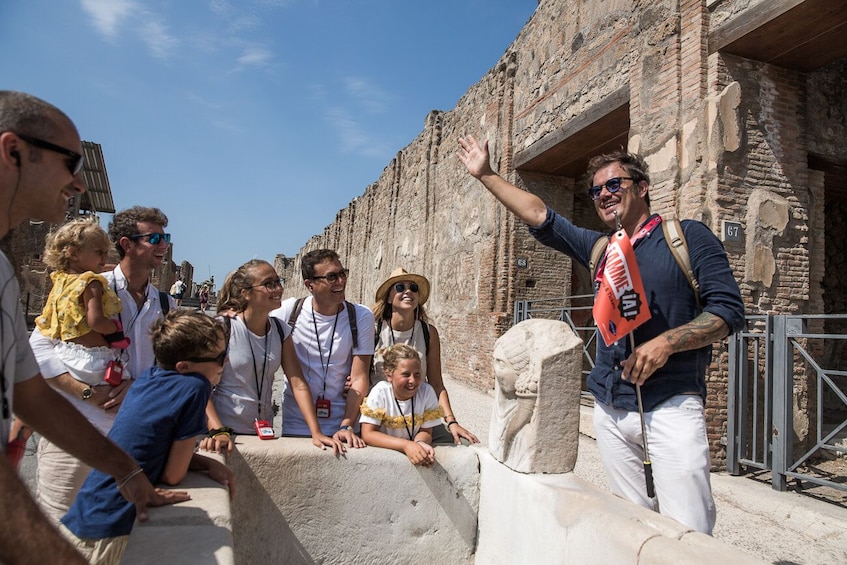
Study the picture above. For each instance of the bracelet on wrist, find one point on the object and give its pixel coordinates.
(451, 423)
(123, 482)
(222, 430)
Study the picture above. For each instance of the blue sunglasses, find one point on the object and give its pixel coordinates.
(612, 185)
(153, 238)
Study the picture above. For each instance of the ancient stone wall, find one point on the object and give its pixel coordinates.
(726, 139)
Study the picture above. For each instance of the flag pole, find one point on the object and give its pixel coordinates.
(648, 465)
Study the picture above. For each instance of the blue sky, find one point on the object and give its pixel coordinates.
(250, 122)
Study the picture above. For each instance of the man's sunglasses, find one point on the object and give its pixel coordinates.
(75, 161)
(401, 287)
(219, 359)
(153, 238)
(333, 277)
(612, 185)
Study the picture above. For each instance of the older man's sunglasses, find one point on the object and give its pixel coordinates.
(75, 161)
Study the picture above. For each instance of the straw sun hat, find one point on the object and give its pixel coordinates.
(399, 275)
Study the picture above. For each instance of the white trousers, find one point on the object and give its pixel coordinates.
(679, 452)
(60, 475)
(58, 478)
(106, 551)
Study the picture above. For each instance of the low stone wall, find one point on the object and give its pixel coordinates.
(296, 504)
(562, 519)
(196, 532)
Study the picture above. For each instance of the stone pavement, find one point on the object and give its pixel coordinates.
(783, 528)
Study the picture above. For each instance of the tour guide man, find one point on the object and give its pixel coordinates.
(672, 349)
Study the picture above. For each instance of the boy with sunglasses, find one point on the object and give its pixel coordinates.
(159, 421)
(672, 349)
(323, 328)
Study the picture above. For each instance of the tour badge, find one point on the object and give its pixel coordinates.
(264, 429)
(114, 373)
(322, 407)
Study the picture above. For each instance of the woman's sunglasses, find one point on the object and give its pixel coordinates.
(401, 287)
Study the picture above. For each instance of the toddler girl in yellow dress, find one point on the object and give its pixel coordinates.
(81, 304)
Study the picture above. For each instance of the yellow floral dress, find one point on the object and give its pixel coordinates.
(64, 314)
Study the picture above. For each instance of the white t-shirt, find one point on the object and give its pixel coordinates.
(325, 373)
(250, 368)
(17, 363)
(388, 337)
(394, 417)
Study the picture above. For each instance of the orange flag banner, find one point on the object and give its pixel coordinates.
(621, 304)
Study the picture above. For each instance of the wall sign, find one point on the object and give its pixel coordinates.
(731, 231)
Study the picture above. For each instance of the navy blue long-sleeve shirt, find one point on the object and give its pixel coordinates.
(672, 304)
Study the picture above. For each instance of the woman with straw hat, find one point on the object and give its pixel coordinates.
(400, 318)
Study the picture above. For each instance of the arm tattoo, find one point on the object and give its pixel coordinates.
(699, 332)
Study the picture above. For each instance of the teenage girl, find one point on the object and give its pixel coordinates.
(257, 346)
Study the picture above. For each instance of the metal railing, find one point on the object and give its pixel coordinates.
(775, 363)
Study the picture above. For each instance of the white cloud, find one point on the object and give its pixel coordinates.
(353, 137)
(158, 40)
(372, 98)
(255, 57)
(220, 7)
(107, 15)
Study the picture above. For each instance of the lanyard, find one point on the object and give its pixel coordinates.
(645, 230)
(411, 339)
(331, 343)
(408, 431)
(259, 386)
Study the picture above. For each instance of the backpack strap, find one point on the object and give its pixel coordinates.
(425, 328)
(164, 303)
(295, 312)
(278, 325)
(227, 321)
(597, 253)
(351, 314)
(675, 238)
(376, 334)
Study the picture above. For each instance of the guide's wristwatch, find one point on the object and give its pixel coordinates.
(87, 393)
(347, 428)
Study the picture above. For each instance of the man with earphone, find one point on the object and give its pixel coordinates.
(41, 161)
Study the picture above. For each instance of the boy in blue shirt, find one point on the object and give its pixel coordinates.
(159, 420)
